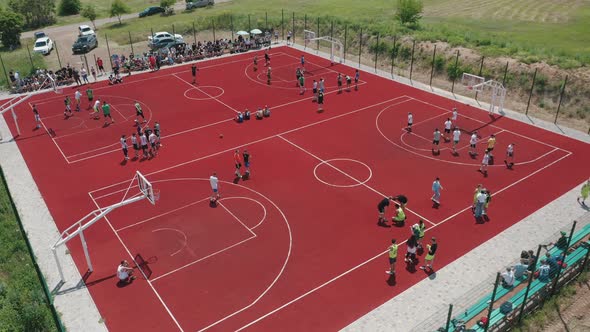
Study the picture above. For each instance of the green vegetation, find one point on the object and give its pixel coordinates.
(18, 61)
(409, 12)
(11, 25)
(69, 7)
(23, 305)
(89, 12)
(119, 8)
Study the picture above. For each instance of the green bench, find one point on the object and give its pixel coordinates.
(536, 285)
(484, 303)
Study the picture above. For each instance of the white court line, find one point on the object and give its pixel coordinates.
(179, 232)
(116, 110)
(140, 270)
(236, 218)
(497, 127)
(204, 126)
(54, 142)
(263, 139)
(202, 259)
(208, 95)
(46, 100)
(159, 215)
(381, 254)
(349, 176)
(252, 200)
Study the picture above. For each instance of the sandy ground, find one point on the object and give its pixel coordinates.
(574, 317)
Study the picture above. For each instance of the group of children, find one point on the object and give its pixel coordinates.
(145, 139)
(260, 114)
(413, 249)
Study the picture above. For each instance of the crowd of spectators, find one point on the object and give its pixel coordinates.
(179, 53)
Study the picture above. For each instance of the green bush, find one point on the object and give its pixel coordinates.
(69, 7)
(439, 64)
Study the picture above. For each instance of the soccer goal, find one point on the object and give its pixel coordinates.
(335, 45)
(479, 84)
(10, 104)
(146, 191)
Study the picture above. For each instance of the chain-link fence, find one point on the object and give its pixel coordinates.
(539, 90)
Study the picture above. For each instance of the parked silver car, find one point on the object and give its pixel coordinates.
(198, 4)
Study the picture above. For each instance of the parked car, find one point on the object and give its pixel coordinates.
(39, 34)
(176, 45)
(85, 44)
(198, 4)
(158, 44)
(43, 45)
(85, 30)
(159, 37)
(151, 11)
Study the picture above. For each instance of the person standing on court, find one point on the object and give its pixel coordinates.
(194, 72)
(238, 163)
(436, 188)
(392, 257)
(509, 161)
(584, 192)
(428, 260)
(214, 181)
(320, 101)
(436, 141)
(123, 141)
(480, 201)
(246, 156)
(268, 74)
(410, 122)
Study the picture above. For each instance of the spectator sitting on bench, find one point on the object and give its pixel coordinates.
(259, 114)
(266, 111)
(525, 257)
(508, 278)
(247, 114)
(544, 271)
(240, 117)
(115, 79)
(520, 270)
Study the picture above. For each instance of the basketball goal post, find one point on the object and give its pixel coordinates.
(15, 101)
(479, 84)
(336, 47)
(146, 191)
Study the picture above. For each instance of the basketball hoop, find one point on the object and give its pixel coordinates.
(156, 195)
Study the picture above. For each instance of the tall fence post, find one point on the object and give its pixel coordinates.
(173, 30)
(57, 53)
(94, 55)
(454, 74)
(304, 28)
(449, 315)
(109, 49)
(86, 61)
(31, 58)
(318, 34)
(492, 300)
(559, 266)
(393, 54)
(531, 92)
(195, 33)
(505, 73)
(412, 59)
(376, 52)
(283, 24)
(266, 20)
(560, 98)
(231, 26)
(249, 24)
(213, 25)
(332, 29)
(130, 41)
(432, 70)
(528, 286)
(152, 30)
(479, 74)
(5, 72)
(360, 45)
(293, 33)
(345, 39)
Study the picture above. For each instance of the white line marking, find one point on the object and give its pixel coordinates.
(174, 230)
(350, 176)
(262, 139)
(236, 218)
(54, 142)
(358, 183)
(159, 215)
(132, 258)
(208, 95)
(380, 255)
(250, 199)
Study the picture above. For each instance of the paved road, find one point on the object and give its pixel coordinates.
(72, 28)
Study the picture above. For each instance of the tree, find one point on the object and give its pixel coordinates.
(69, 7)
(119, 8)
(409, 12)
(166, 4)
(89, 12)
(36, 13)
(11, 25)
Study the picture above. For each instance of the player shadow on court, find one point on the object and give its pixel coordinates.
(391, 281)
(430, 273)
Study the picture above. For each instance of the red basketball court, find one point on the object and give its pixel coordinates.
(296, 247)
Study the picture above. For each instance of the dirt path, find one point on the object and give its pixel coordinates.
(576, 316)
